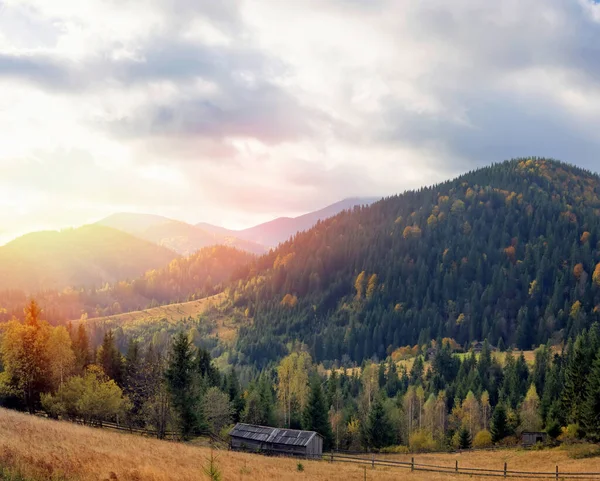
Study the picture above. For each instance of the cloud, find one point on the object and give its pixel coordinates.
(234, 112)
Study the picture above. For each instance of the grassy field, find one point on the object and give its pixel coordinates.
(225, 327)
(171, 312)
(42, 449)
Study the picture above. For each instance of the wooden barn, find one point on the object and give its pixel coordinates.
(529, 438)
(289, 442)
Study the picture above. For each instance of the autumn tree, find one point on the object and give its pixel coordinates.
(292, 384)
(217, 409)
(530, 415)
(25, 356)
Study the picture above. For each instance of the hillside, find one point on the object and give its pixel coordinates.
(88, 256)
(281, 229)
(87, 454)
(183, 279)
(202, 318)
(178, 236)
(509, 252)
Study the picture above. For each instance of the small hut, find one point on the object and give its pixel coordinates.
(288, 442)
(531, 438)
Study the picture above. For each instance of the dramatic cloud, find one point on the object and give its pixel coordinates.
(235, 112)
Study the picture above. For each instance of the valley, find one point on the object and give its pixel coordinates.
(462, 315)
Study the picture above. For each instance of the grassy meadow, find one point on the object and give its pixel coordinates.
(41, 449)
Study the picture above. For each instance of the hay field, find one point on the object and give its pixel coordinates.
(43, 449)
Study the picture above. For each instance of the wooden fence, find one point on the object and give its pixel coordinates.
(458, 470)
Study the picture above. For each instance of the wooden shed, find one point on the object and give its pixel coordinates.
(289, 442)
(530, 438)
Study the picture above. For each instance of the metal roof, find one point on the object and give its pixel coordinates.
(266, 434)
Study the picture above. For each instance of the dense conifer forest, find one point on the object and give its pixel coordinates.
(508, 253)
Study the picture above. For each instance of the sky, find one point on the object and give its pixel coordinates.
(235, 112)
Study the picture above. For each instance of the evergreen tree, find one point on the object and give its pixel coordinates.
(181, 385)
(314, 417)
(591, 407)
(81, 349)
(499, 424)
(232, 388)
(379, 429)
(464, 438)
(110, 358)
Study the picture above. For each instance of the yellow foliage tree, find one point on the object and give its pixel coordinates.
(371, 286)
(359, 284)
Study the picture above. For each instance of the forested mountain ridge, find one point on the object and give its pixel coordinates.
(87, 256)
(506, 252)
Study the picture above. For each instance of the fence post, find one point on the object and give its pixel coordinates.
(373, 461)
(412, 464)
(557, 471)
(456, 467)
(332, 456)
(505, 469)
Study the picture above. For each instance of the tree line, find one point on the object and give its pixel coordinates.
(437, 399)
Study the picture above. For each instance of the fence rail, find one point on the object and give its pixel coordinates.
(458, 470)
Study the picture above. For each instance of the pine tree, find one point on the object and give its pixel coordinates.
(232, 388)
(464, 439)
(379, 429)
(110, 358)
(315, 415)
(499, 424)
(181, 385)
(81, 348)
(591, 407)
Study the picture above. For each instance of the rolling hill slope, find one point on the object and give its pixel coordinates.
(506, 252)
(88, 256)
(178, 236)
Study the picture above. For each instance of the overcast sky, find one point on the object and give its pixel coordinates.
(234, 112)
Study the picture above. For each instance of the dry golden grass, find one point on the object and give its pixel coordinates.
(172, 312)
(226, 328)
(42, 448)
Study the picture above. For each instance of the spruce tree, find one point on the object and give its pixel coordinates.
(232, 388)
(379, 429)
(181, 385)
(591, 407)
(464, 439)
(111, 359)
(499, 423)
(314, 417)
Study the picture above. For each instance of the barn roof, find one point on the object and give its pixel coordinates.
(266, 434)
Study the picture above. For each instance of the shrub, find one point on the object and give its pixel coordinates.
(395, 450)
(483, 439)
(570, 434)
(581, 451)
(300, 467)
(421, 442)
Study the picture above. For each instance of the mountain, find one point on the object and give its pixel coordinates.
(509, 253)
(88, 256)
(179, 236)
(281, 229)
